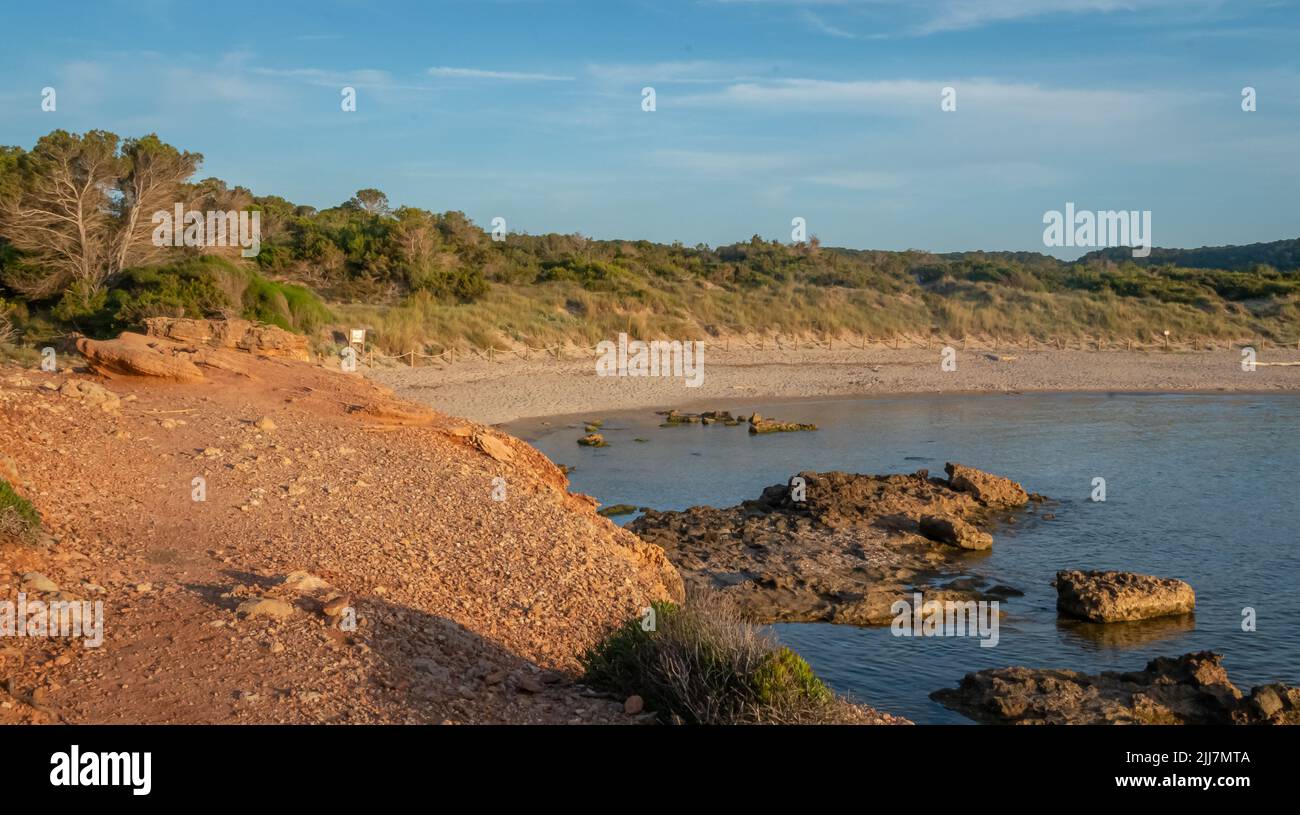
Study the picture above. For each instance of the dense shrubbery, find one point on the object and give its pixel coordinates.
(206, 286)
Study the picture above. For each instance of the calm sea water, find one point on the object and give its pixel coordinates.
(1199, 487)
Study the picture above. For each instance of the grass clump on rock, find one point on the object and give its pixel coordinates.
(704, 664)
(19, 520)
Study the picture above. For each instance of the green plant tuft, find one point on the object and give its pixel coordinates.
(19, 520)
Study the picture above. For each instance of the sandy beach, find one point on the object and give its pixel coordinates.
(509, 389)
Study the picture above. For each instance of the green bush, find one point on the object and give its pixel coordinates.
(291, 307)
(703, 664)
(19, 520)
(196, 287)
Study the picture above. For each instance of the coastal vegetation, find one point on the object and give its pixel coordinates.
(418, 279)
(702, 663)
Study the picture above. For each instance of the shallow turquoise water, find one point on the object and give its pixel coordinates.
(1199, 487)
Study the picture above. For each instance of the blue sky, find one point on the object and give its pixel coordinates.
(766, 111)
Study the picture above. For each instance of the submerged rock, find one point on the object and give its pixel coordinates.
(772, 426)
(1191, 689)
(1106, 597)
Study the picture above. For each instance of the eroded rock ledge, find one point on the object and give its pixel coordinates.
(844, 553)
(1190, 689)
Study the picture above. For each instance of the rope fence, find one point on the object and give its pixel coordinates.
(776, 342)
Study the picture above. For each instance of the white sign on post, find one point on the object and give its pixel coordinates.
(359, 336)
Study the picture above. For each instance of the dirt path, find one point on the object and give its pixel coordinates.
(468, 609)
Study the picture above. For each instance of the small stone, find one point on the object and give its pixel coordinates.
(265, 424)
(494, 447)
(143, 588)
(633, 705)
(301, 581)
(39, 583)
(335, 607)
(265, 607)
(531, 685)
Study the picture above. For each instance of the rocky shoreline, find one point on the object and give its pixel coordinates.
(1190, 689)
(841, 547)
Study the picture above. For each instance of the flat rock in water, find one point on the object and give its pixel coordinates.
(1107, 597)
(1191, 689)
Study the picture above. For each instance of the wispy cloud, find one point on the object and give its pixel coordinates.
(953, 15)
(816, 23)
(720, 164)
(369, 77)
(897, 97)
(859, 180)
(479, 73)
(939, 16)
(680, 71)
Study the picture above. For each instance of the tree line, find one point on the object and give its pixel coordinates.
(76, 248)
